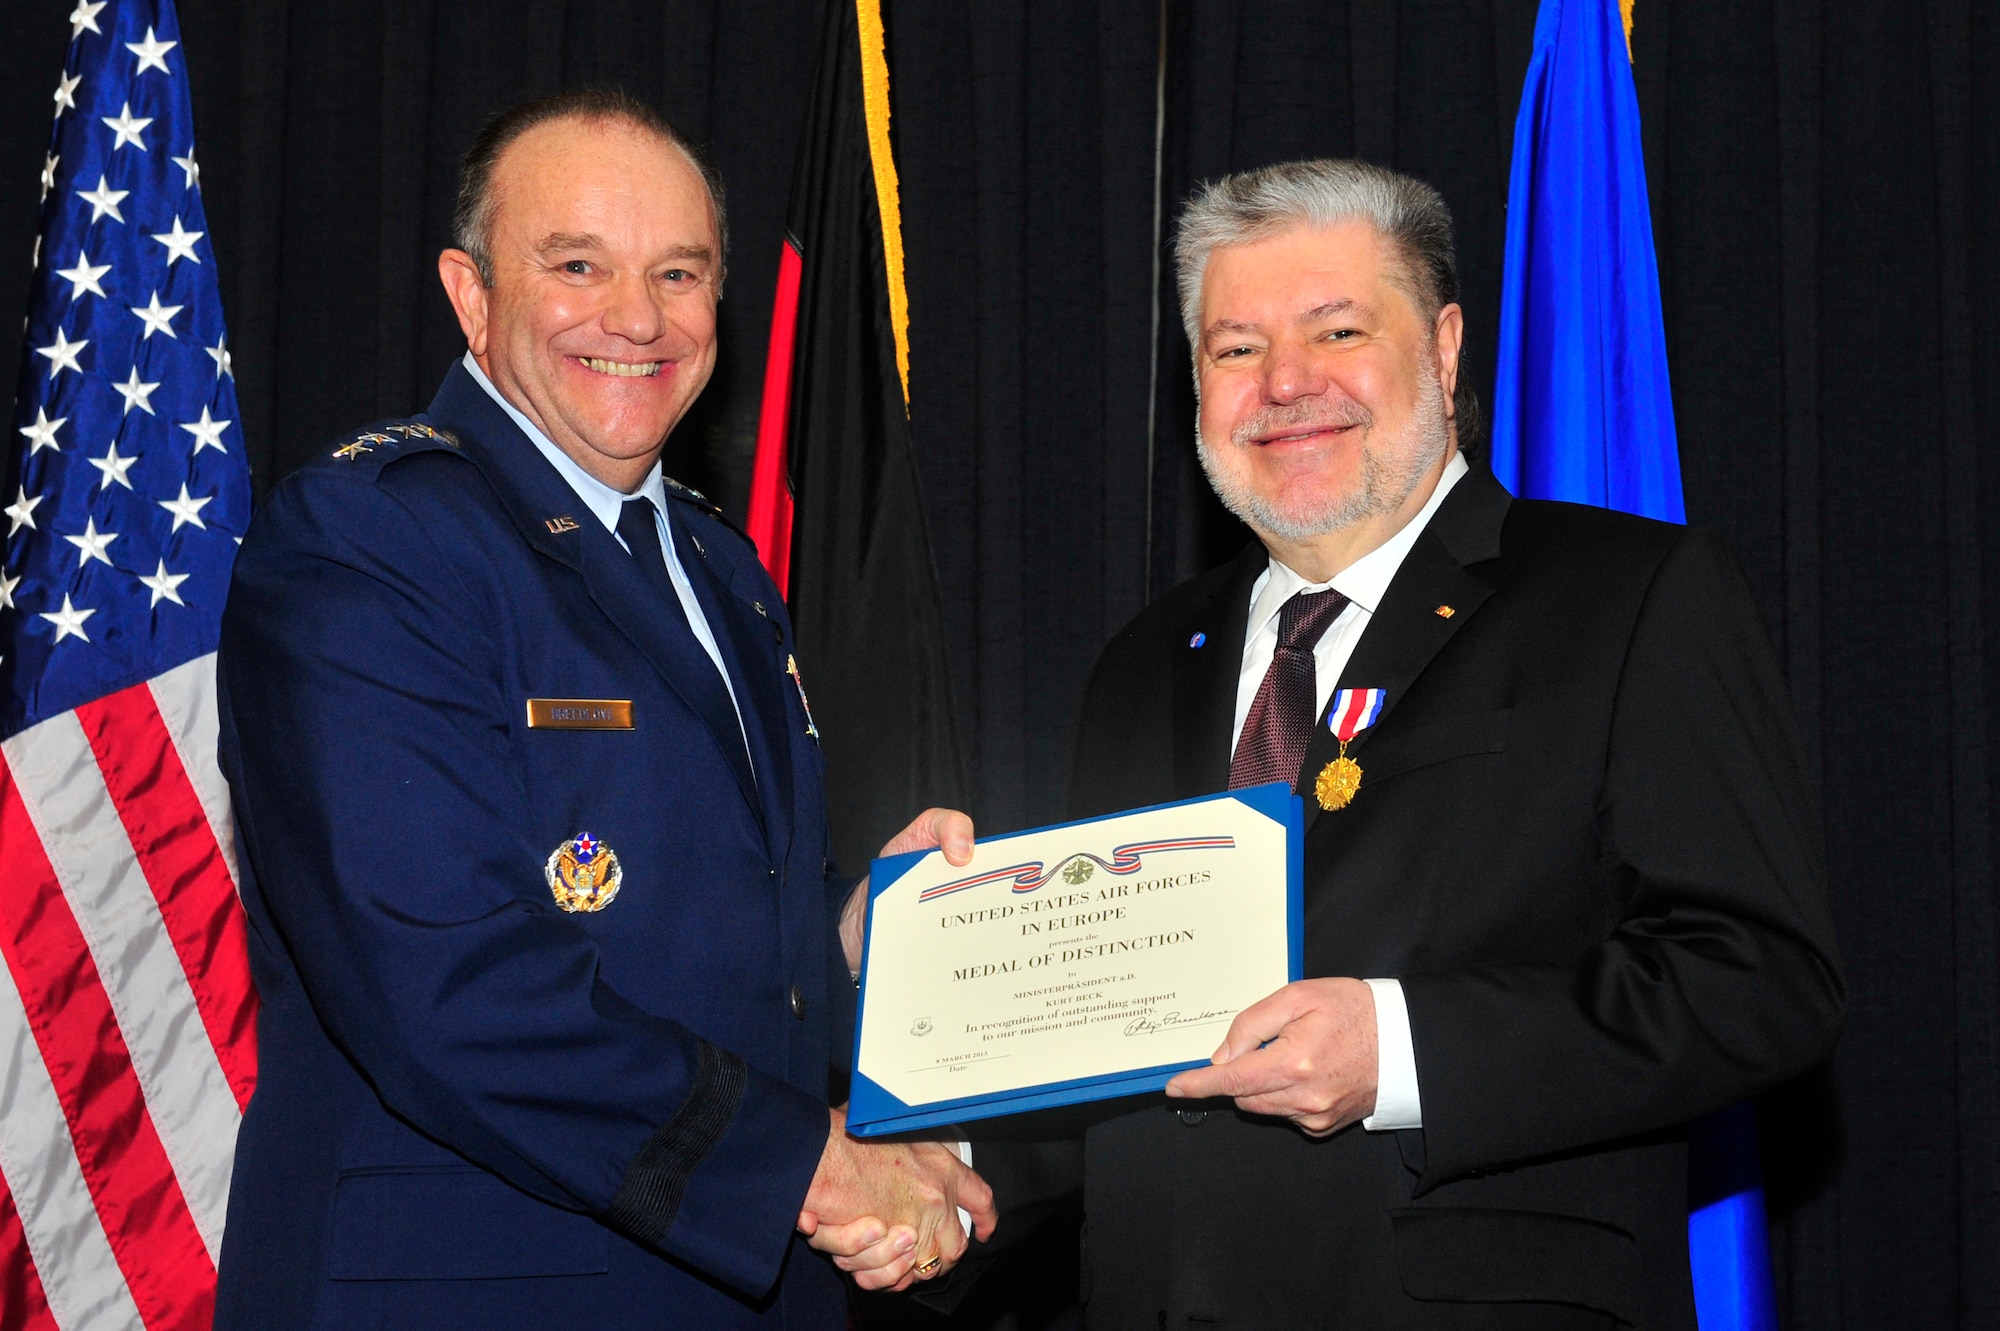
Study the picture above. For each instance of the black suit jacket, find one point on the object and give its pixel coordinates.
(1584, 843)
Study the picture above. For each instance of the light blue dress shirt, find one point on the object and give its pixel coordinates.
(606, 503)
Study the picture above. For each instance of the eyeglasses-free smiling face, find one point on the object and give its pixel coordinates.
(1323, 389)
(599, 324)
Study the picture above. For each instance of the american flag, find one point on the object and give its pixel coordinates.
(127, 1020)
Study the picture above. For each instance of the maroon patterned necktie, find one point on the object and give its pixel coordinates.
(1280, 724)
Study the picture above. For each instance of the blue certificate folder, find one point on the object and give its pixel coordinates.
(873, 1111)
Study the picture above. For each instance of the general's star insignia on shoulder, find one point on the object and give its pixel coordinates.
(399, 438)
(363, 443)
(687, 494)
(584, 874)
(419, 430)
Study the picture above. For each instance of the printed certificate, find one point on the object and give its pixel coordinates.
(1072, 963)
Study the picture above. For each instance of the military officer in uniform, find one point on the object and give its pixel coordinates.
(553, 969)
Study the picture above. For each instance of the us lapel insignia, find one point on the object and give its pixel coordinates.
(1353, 711)
(584, 874)
(559, 524)
(792, 669)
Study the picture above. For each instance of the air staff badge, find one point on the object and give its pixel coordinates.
(584, 874)
(1353, 711)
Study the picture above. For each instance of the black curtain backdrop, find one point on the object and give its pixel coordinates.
(1826, 194)
(329, 133)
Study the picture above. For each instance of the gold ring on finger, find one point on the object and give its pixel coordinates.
(929, 1266)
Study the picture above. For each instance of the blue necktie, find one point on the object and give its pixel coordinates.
(639, 526)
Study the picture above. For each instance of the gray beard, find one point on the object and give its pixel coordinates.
(1390, 471)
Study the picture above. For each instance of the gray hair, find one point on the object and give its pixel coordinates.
(1256, 205)
(1271, 200)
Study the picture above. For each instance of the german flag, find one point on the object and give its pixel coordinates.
(835, 506)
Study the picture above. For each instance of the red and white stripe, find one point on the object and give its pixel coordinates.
(1353, 711)
(127, 1018)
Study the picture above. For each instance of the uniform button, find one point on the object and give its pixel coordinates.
(798, 1003)
(1192, 1117)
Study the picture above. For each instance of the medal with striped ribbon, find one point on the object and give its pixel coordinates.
(1353, 711)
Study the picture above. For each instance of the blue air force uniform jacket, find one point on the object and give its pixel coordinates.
(475, 1108)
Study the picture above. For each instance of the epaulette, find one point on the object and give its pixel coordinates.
(694, 498)
(385, 441)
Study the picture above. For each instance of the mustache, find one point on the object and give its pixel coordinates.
(1317, 414)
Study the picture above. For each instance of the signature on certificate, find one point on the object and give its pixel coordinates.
(1149, 1025)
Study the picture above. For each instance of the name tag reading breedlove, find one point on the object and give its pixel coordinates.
(579, 714)
(1072, 963)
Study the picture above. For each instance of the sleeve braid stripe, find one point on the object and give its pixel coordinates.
(650, 1196)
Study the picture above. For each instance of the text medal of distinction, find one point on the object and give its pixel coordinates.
(584, 874)
(1353, 711)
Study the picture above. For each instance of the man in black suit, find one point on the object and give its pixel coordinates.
(1577, 899)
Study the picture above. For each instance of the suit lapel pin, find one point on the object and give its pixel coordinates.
(584, 874)
(1197, 640)
(560, 524)
(1444, 612)
(1353, 711)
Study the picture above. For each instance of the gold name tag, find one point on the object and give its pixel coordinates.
(579, 713)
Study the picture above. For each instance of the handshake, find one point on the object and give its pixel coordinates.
(888, 1211)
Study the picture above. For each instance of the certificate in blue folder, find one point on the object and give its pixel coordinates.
(1071, 963)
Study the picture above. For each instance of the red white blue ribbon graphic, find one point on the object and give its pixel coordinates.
(1033, 876)
(1353, 711)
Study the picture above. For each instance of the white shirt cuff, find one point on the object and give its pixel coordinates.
(964, 1150)
(1397, 1104)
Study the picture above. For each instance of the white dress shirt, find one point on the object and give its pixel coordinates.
(606, 504)
(1363, 583)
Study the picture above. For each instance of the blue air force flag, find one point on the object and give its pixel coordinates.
(1582, 411)
(1581, 405)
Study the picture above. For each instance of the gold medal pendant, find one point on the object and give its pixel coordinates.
(1338, 781)
(1352, 711)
